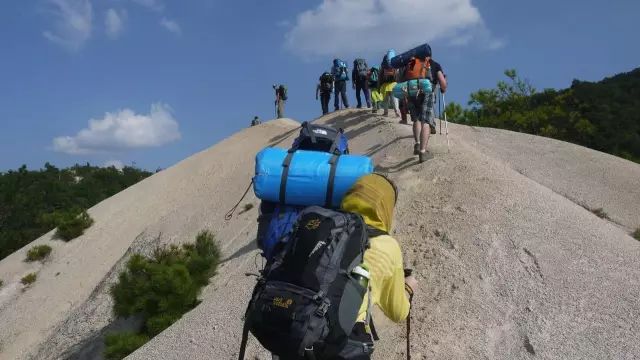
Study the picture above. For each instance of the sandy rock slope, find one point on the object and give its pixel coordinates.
(512, 263)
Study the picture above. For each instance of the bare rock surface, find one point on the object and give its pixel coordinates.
(511, 262)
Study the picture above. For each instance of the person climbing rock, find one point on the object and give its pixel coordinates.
(340, 74)
(281, 97)
(359, 81)
(324, 88)
(387, 80)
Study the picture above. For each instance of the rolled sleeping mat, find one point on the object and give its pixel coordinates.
(411, 88)
(307, 177)
(401, 60)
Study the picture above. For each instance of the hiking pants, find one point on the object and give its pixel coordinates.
(389, 101)
(340, 91)
(364, 87)
(421, 109)
(324, 101)
(280, 108)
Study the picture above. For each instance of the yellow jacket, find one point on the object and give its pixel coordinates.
(374, 197)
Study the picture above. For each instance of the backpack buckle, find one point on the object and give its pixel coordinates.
(321, 311)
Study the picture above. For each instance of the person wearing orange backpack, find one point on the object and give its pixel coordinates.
(421, 106)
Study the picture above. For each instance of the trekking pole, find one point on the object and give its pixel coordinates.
(440, 109)
(446, 124)
(408, 272)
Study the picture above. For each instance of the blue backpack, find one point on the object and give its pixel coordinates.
(275, 220)
(339, 70)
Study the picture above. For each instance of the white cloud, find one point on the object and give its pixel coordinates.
(115, 163)
(155, 5)
(352, 27)
(122, 130)
(171, 25)
(114, 22)
(72, 25)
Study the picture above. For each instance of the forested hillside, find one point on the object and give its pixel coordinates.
(602, 115)
(31, 201)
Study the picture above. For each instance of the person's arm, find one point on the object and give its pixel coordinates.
(442, 80)
(393, 299)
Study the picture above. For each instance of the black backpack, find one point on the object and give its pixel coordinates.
(306, 303)
(320, 138)
(326, 82)
(362, 69)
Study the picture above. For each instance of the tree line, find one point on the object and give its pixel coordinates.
(603, 115)
(32, 202)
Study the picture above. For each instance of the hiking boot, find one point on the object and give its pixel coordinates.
(422, 156)
(416, 149)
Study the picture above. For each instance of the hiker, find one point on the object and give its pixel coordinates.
(281, 97)
(387, 80)
(255, 121)
(374, 197)
(421, 108)
(325, 87)
(340, 74)
(376, 96)
(359, 81)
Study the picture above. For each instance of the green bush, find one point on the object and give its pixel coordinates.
(164, 287)
(636, 234)
(119, 345)
(38, 253)
(71, 225)
(29, 279)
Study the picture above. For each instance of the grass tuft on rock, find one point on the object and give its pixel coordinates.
(29, 279)
(636, 234)
(38, 253)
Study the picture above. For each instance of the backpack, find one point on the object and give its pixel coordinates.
(282, 92)
(275, 220)
(321, 138)
(326, 82)
(373, 78)
(361, 67)
(388, 75)
(386, 60)
(417, 69)
(306, 302)
(339, 70)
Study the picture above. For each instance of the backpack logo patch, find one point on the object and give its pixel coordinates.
(320, 131)
(282, 302)
(313, 224)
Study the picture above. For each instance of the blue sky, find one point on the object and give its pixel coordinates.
(154, 81)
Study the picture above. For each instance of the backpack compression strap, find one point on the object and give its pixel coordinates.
(285, 174)
(332, 177)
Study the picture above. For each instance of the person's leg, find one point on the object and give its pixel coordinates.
(367, 95)
(396, 108)
(336, 97)
(345, 101)
(324, 100)
(415, 118)
(358, 99)
(280, 109)
(385, 103)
